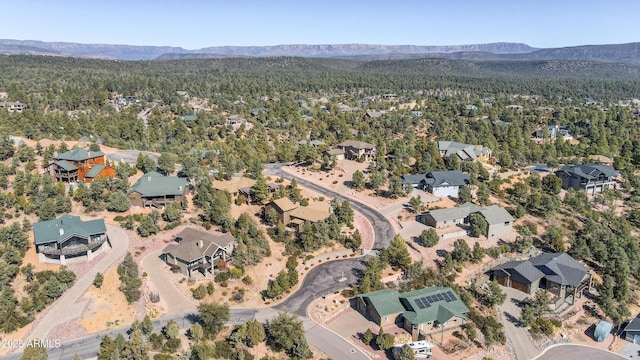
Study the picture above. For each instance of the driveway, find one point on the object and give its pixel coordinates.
(130, 156)
(157, 271)
(509, 317)
(69, 306)
(630, 350)
(578, 352)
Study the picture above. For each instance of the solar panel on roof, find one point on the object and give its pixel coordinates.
(440, 297)
(420, 304)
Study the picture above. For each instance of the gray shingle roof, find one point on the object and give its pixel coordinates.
(521, 271)
(65, 227)
(495, 214)
(589, 171)
(464, 151)
(187, 248)
(155, 184)
(453, 177)
(560, 268)
(413, 178)
(634, 325)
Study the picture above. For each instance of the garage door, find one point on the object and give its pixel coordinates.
(636, 339)
(501, 280)
(519, 286)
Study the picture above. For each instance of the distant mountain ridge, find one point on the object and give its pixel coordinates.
(615, 53)
(134, 52)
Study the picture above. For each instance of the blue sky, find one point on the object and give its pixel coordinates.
(194, 24)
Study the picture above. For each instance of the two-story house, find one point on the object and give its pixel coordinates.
(157, 190)
(67, 237)
(592, 178)
(198, 250)
(356, 150)
(79, 165)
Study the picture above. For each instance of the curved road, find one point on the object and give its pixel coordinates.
(577, 352)
(321, 280)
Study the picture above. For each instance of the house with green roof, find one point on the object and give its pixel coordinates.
(79, 164)
(67, 237)
(420, 312)
(156, 190)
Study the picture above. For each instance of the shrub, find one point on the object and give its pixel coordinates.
(247, 280)
(221, 276)
(236, 273)
(200, 292)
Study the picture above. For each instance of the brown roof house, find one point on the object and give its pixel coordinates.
(295, 216)
(198, 250)
(79, 164)
(356, 150)
(155, 189)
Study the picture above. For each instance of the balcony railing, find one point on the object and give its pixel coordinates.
(72, 249)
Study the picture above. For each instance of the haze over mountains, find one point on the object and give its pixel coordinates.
(616, 53)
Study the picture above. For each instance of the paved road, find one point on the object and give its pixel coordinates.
(69, 306)
(130, 156)
(577, 352)
(88, 347)
(156, 269)
(517, 334)
(381, 226)
(321, 280)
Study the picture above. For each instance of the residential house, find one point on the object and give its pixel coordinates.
(373, 114)
(558, 273)
(233, 185)
(632, 331)
(592, 178)
(416, 113)
(499, 221)
(465, 152)
(313, 143)
(553, 132)
(79, 164)
(294, 215)
(338, 153)
(420, 312)
(414, 180)
(12, 106)
(198, 250)
(235, 120)
(445, 183)
(69, 237)
(157, 190)
(389, 97)
(356, 150)
(188, 118)
(344, 108)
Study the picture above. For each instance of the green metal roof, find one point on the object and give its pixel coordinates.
(65, 227)
(95, 171)
(439, 309)
(78, 154)
(155, 184)
(384, 301)
(67, 166)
